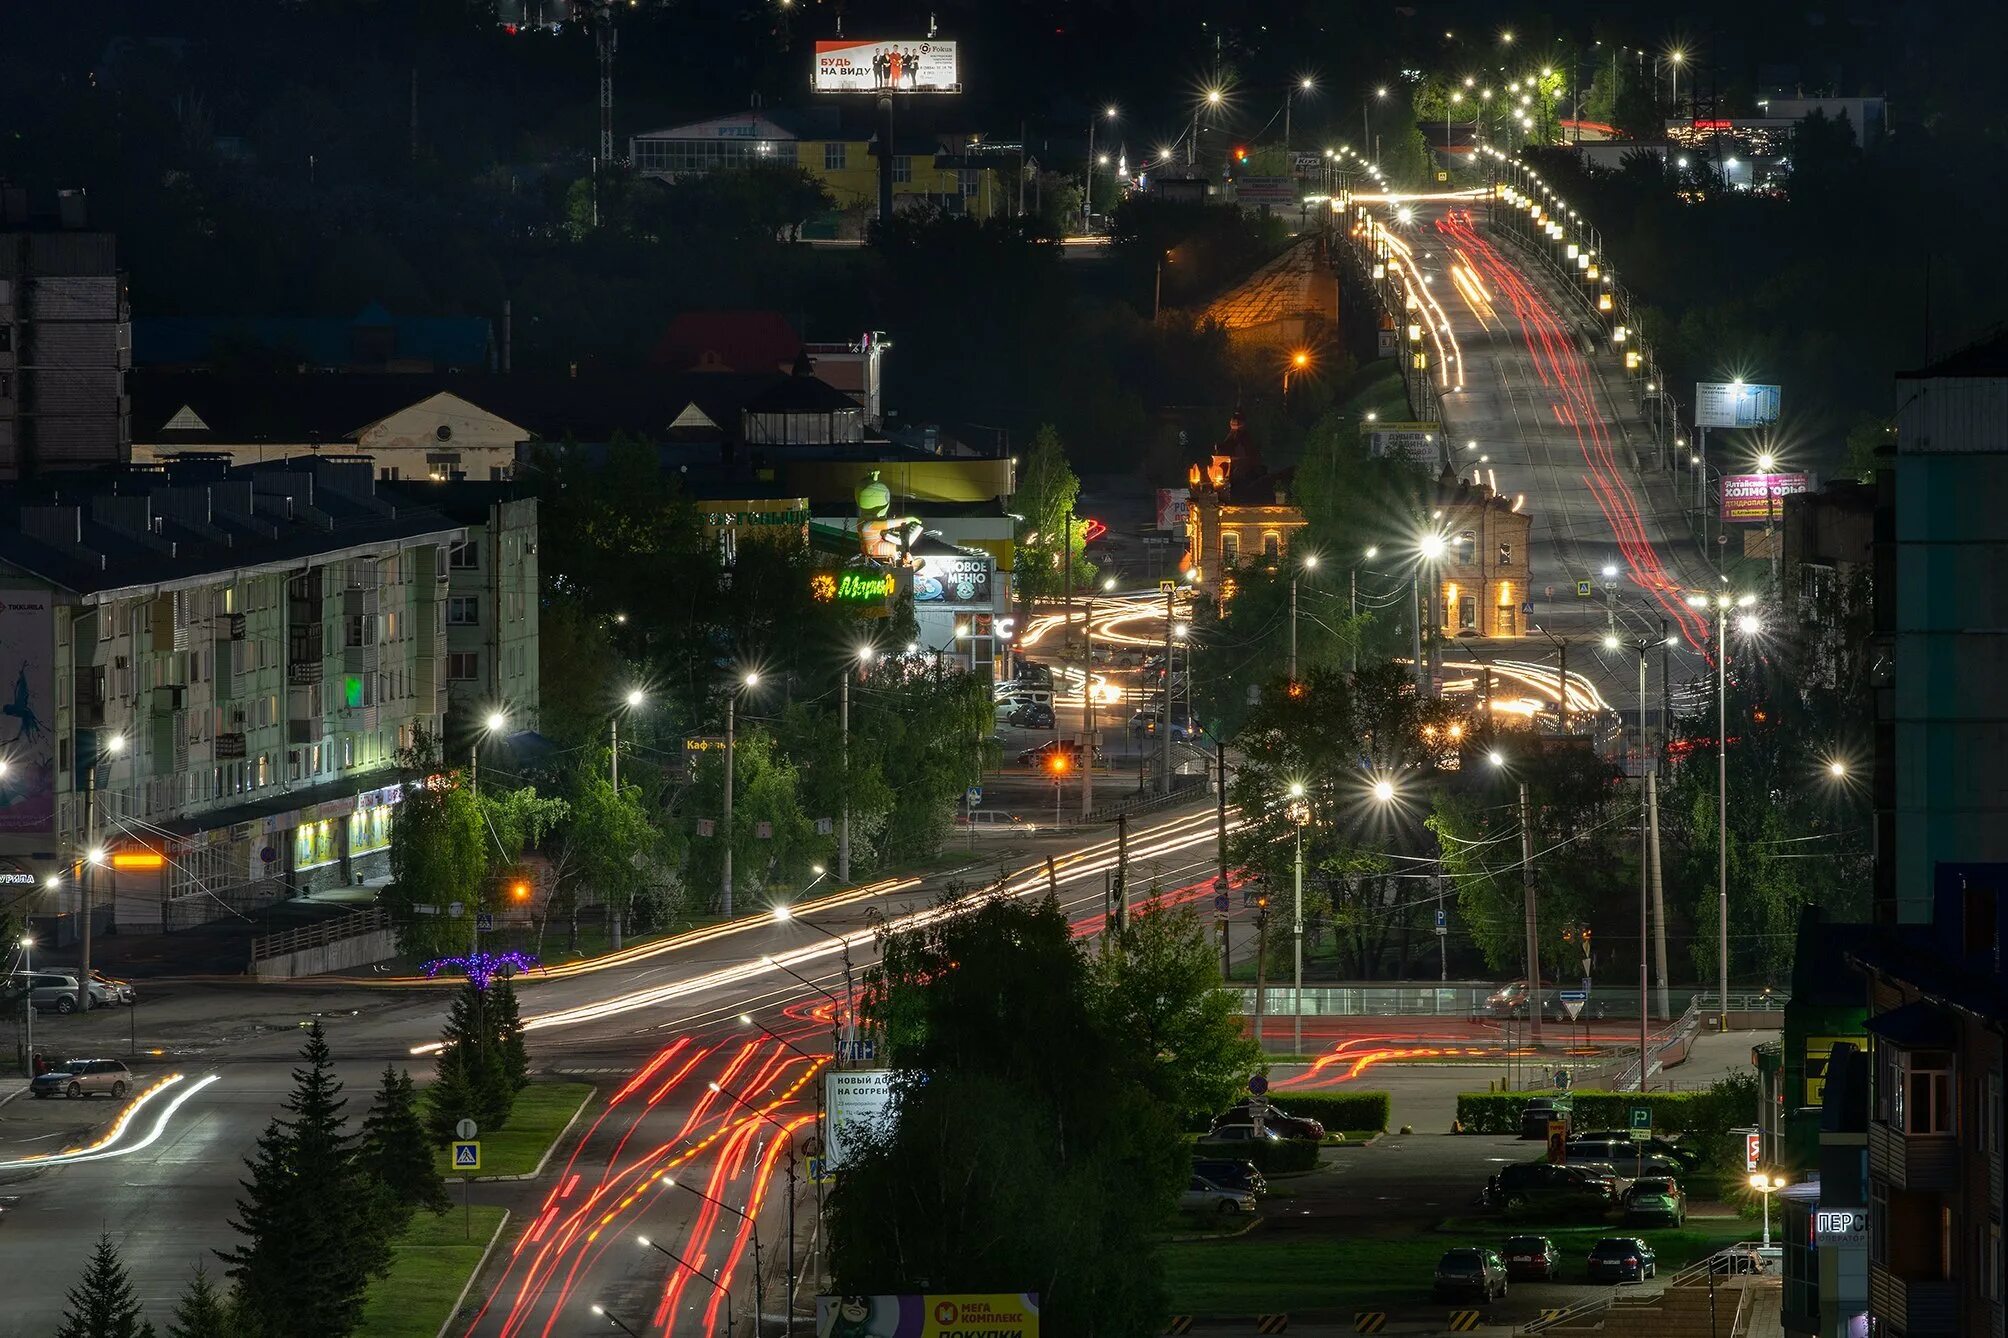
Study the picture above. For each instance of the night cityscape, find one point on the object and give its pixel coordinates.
(1075, 668)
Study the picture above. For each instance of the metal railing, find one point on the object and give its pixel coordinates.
(319, 934)
(1743, 1259)
(1185, 786)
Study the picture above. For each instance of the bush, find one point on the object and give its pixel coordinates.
(1270, 1156)
(1704, 1112)
(1336, 1111)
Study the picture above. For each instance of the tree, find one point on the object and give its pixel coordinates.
(102, 1304)
(398, 1153)
(971, 1007)
(438, 857)
(473, 1079)
(507, 1021)
(1159, 983)
(311, 1217)
(203, 1311)
(1047, 492)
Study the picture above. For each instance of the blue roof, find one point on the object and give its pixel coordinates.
(458, 343)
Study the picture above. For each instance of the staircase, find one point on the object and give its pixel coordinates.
(1707, 1300)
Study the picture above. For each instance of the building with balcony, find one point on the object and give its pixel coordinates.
(210, 670)
(1938, 998)
(65, 339)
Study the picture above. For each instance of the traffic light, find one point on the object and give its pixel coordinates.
(1240, 154)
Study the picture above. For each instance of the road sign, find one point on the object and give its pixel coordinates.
(861, 1051)
(974, 794)
(1442, 920)
(454, 908)
(1166, 587)
(1573, 1001)
(1258, 1112)
(1527, 607)
(466, 1130)
(1220, 902)
(466, 1156)
(1641, 1120)
(1258, 1084)
(819, 1171)
(1583, 589)
(485, 921)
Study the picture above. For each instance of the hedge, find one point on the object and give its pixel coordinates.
(1338, 1110)
(1269, 1155)
(1672, 1112)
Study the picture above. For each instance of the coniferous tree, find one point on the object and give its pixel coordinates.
(451, 1097)
(102, 1304)
(472, 1082)
(398, 1153)
(312, 1217)
(203, 1311)
(507, 1022)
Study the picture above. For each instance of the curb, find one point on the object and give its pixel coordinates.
(468, 1286)
(1196, 1238)
(542, 1161)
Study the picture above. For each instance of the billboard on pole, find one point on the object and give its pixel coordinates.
(854, 1098)
(1420, 443)
(994, 1315)
(1748, 497)
(913, 66)
(27, 712)
(1734, 404)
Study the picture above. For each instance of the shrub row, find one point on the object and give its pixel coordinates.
(1672, 1112)
(1270, 1156)
(1338, 1110)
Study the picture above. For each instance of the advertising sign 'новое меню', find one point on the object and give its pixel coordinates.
(1001, 1315)
(912, 66)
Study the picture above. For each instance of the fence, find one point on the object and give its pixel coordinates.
(1185, 787)
(319, 934)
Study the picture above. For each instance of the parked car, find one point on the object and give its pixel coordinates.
(1469, 1271)
(1068, 748)
(1031, 715)
(1203, 1196)
(1655, 1200)
(1616, 1147)
(1242, 1132)
(1611, 1177)
(1532, 1257)
(56, 991)
(84, 1077)
(1282, 1121)
(121, 990)
(989, 820)
(1622, 1259)
(1536, 1114)
(1231, 1174)
(1537, 1186)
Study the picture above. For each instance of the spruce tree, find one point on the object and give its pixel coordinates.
(506, 1021)
(203, 1311)
(312, 1218)
(471, 1081)
(102, 1304)
(451, 1097)
(398, 1154)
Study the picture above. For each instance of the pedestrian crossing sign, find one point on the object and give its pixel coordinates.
(1582, 589)
(466, 1156)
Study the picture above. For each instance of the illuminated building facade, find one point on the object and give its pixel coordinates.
(1482, 578)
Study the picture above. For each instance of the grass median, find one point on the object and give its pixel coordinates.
(429, 1265)
(1260, 1272)
(542, 1111)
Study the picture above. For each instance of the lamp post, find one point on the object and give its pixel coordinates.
(752, 1221)
(94, 855)
(1353, 601)
(748, 680)
(633, 700)
(28, 970)
(1304, 85)
(786, 915)
(1642, 647)
(1529, 909)
(1767, 1185)
(716, 1285)
(1431, 548)
(821, 1125)
(1310, 563)
(1749, 623)
(1213, 99)
(1088, 195)
(1366, 121)
(1455, 98)
(1088, 704)
(865, 654)
(494, 723)
(1299, 815)
(787, 1134)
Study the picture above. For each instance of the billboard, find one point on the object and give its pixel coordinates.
(854, 1097)
(1734, 404)
(913, 66)
(1759, 497)
(1266, 190)
(27, 712)
(1173, 506)
(1418, 443)
(952, 579)
(997, 1315)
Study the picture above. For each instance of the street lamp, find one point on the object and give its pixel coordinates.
(1300, 813)
(1431, 549)
(633, 700)
(1088, 703)
(788, 1137)
(1303, 85)
(1088, 196)
(864, 659)
(1310, 563)
(1530, 911)
(787, 915)
(747, 681)
(1749, 624)
(1767, 1185)
(614, 1320)
(717, 1284)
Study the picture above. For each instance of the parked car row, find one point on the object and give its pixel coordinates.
(1586, 1189)
(1478, 1273)
(1222, 1185)
(83, 1077)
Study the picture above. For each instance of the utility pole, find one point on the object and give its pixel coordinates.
(844, 822)
(1722, 812)
(90, 888)
(1293, 629)
(1220, 813)
(1658, 891)
(1164, 715)
(1533, 930)
(1121, 900)
(1644, 865)
(1297, 940)
(1088, 711)
(725, 878)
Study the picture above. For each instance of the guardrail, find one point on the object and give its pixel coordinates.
(1184, 787)
(1368, 248)
(319, 934)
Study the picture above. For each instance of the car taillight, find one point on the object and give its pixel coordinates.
(1630, 1260)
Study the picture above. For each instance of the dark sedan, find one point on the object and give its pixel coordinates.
(1622, 1259)
(1532, 1259)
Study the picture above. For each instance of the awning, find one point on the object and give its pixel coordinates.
(1915, 1026)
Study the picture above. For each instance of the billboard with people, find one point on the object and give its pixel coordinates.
(913, 66)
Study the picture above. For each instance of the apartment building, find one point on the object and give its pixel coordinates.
(210, 670)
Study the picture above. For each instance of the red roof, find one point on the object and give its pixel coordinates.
(727, 341)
